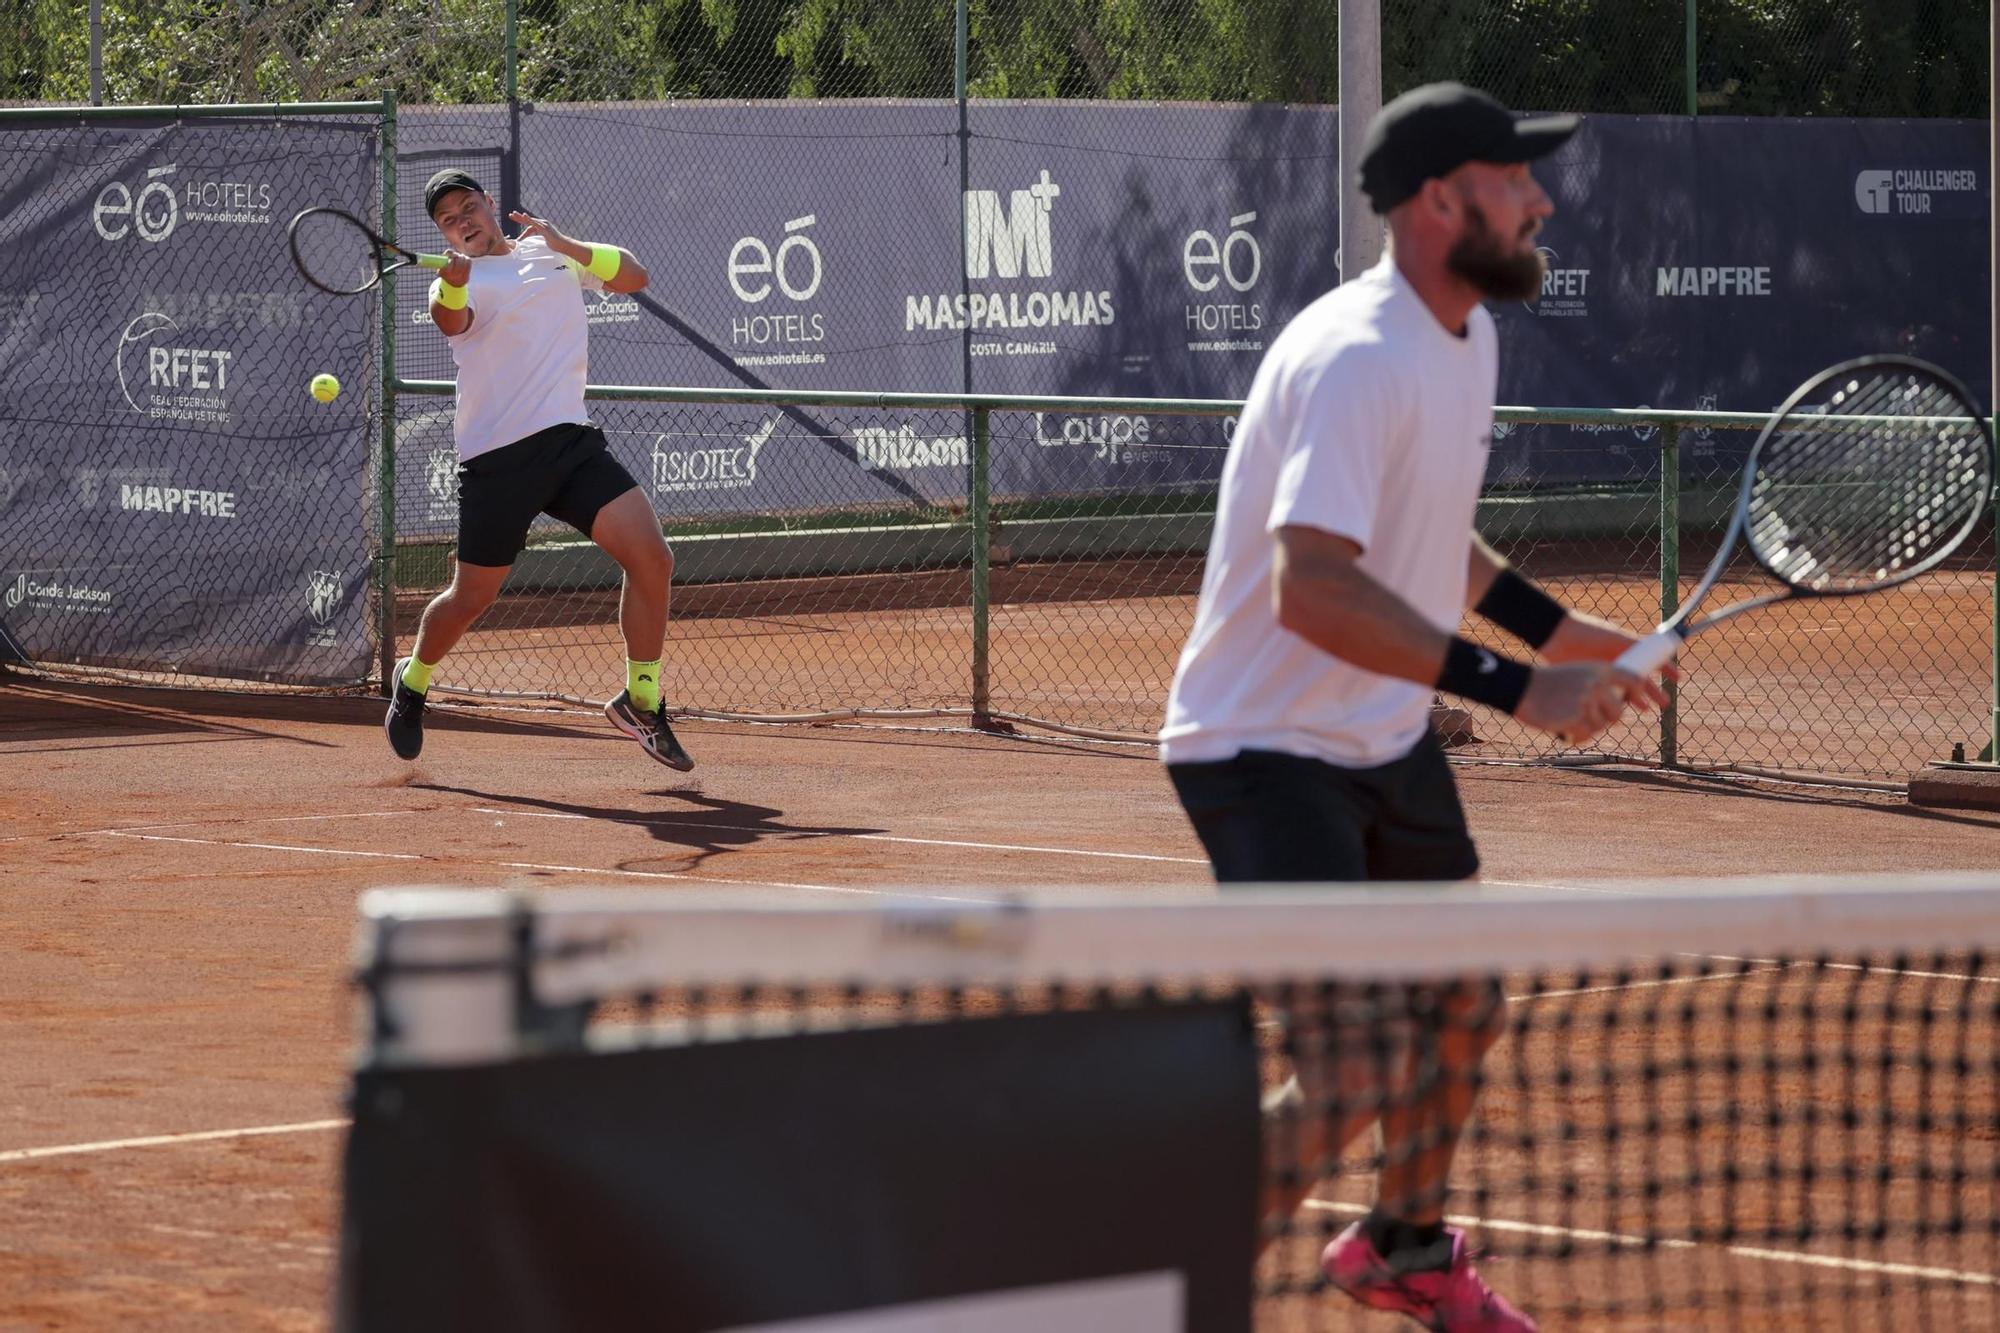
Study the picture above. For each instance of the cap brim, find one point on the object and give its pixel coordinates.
(1536, 137)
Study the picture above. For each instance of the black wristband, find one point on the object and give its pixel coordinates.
(1483, 676)
(1516, 605)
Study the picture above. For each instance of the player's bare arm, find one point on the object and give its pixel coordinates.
(1577, 637)
(1325, 597)
(631, 274)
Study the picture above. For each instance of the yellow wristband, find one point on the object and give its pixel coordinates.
(448, 296)
(605, 261)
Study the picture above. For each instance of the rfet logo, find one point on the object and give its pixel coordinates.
(162, 379)
(1565, 289)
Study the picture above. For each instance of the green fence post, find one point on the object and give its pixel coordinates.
(385, 570)
(982, 562)
(1670, 576)
(512, 73)
(1992, 754)
(1693, 87)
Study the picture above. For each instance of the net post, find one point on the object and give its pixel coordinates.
(982, 561)
(1670, 576)
(385, 556)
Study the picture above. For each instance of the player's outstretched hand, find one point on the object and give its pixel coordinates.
(1583, 699)
(531, 225)
(457, 268)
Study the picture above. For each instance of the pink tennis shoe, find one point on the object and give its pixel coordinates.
(1452, 1299)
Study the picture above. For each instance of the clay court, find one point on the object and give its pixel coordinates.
(182, 872)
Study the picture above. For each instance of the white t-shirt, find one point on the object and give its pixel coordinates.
(523, 363)
(1371, 421)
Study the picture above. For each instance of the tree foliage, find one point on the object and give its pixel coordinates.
(1756, 57)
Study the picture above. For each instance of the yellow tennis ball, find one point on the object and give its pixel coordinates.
(325, 388)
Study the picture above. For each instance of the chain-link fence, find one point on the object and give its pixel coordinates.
(1799, 58)
(886, 571)
(945, 576)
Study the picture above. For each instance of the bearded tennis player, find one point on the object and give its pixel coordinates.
(1344, 558)
(512, 311)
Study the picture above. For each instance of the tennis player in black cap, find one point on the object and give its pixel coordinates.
(513, 313)
(1297, 733)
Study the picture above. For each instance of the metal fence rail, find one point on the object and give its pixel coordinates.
(968, 600)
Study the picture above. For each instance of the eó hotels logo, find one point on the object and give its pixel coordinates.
(152, 213)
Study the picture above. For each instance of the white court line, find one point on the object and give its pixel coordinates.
(266, 846)
(1675, 1243)
(162, 1140)
(204, 823)
(742, 883)
(257, 819)
(564, 869)
(859, 837)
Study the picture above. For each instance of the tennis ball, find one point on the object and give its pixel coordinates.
(325, 388)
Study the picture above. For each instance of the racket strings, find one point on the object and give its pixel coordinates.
(1875, 479)
(335, 252)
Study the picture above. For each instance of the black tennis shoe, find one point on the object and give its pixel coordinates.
(655, 737)
(405, 722)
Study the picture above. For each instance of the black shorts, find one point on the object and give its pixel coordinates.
(565, 472)
(1271, 818)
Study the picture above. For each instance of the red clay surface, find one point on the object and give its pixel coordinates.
(181, 872)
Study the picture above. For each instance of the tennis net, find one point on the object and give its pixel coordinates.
(1768, 1104)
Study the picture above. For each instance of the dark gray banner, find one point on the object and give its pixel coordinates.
(1693, 264)
(171, 498)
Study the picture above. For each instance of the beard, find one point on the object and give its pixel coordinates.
(1497, 273)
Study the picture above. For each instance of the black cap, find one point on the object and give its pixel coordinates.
(442, 184)
(1434, 130)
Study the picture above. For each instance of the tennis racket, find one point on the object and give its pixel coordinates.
(1873, 472)
(339, 253)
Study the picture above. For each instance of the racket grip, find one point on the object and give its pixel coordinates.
(432, 261)
(1650, 653)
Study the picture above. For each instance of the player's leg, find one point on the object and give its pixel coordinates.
(629, 533)
(1268, 818)
(493, 519)
(1403, 1256)
(599, 498)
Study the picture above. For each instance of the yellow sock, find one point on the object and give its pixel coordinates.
(417, 675)
(642, 683)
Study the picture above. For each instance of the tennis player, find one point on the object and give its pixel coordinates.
(513, 313)
(1297, 732)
